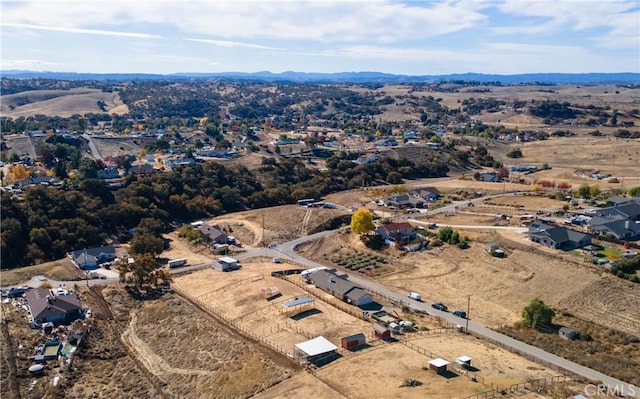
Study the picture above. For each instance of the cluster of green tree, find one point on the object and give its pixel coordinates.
(627, 269)
(537, 314)
(474, 106)
(12, 86)
(515, 153)
(76, 122)
(585, 191)
(626, 134)
(143, 274)
(350, 175)
(163, 98)
(452, 237)
(194, 236)
(482, 157)
(554, 111)
(49, 222)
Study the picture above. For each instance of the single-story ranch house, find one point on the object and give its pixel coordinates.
(557, 237)
(328, 281)
(213, 234)
(45, 306)
(88, 259)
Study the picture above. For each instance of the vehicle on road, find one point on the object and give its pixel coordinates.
(439, 306)
(460, 313)
(432, 225)
(415, 296)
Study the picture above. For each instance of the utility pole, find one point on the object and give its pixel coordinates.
(466, 329)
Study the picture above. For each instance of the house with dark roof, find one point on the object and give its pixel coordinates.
(620, 200)
(629, 210)
(45, 306)
(141, 169)
(340, 287)
(213, 234)
(490, 177)
(402, 231)
(88, 259)
(109, 172)
(426, 193)
(557, 237)
(398, 201)
(401, 201)
(624, 230)
(620, 221)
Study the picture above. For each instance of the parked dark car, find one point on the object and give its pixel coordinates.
(17, 292)
(460, 313)
(439, 306)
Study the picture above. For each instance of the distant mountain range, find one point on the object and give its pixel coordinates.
(347, 77)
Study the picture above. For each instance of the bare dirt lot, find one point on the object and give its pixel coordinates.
(62, 269)
(278, 224)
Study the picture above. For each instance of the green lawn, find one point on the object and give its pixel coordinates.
(610, 253)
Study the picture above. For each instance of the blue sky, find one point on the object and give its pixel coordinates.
(413, 38)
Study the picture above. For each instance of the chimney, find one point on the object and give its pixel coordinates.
(626, 224)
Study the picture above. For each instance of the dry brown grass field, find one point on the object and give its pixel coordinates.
(62, 103)
(382, 367)
(62, 269)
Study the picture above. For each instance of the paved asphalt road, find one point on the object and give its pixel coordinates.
(92, 147)
(288, 250)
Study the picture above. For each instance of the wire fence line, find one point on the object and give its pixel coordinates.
(234, 323)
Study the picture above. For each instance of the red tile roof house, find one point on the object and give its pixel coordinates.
(402, 231)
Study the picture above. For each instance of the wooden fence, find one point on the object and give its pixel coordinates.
(234, 323)
(232, 285)
(453, 365)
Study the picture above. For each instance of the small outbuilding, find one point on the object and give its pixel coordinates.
(439, 365)
(318, 350)
(464, 361)
(353, 342)
(568, 333)
(298, 305)
(381, 331)
(270, 293)
(226, 264)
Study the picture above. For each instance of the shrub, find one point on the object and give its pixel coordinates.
(515, 153)
(537, 314)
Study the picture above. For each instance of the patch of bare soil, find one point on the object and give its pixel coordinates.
(104, 367)
(609, 155)
(195, 358)
(500, 288)
(62, 269)
(276, 224)
(115, 145)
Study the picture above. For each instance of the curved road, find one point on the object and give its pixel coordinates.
(288, 249)
(631, 391)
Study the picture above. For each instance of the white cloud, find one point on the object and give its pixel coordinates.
(26, 64)
(620, 19)
(327, 21)
(227, 43)
(81, 31)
